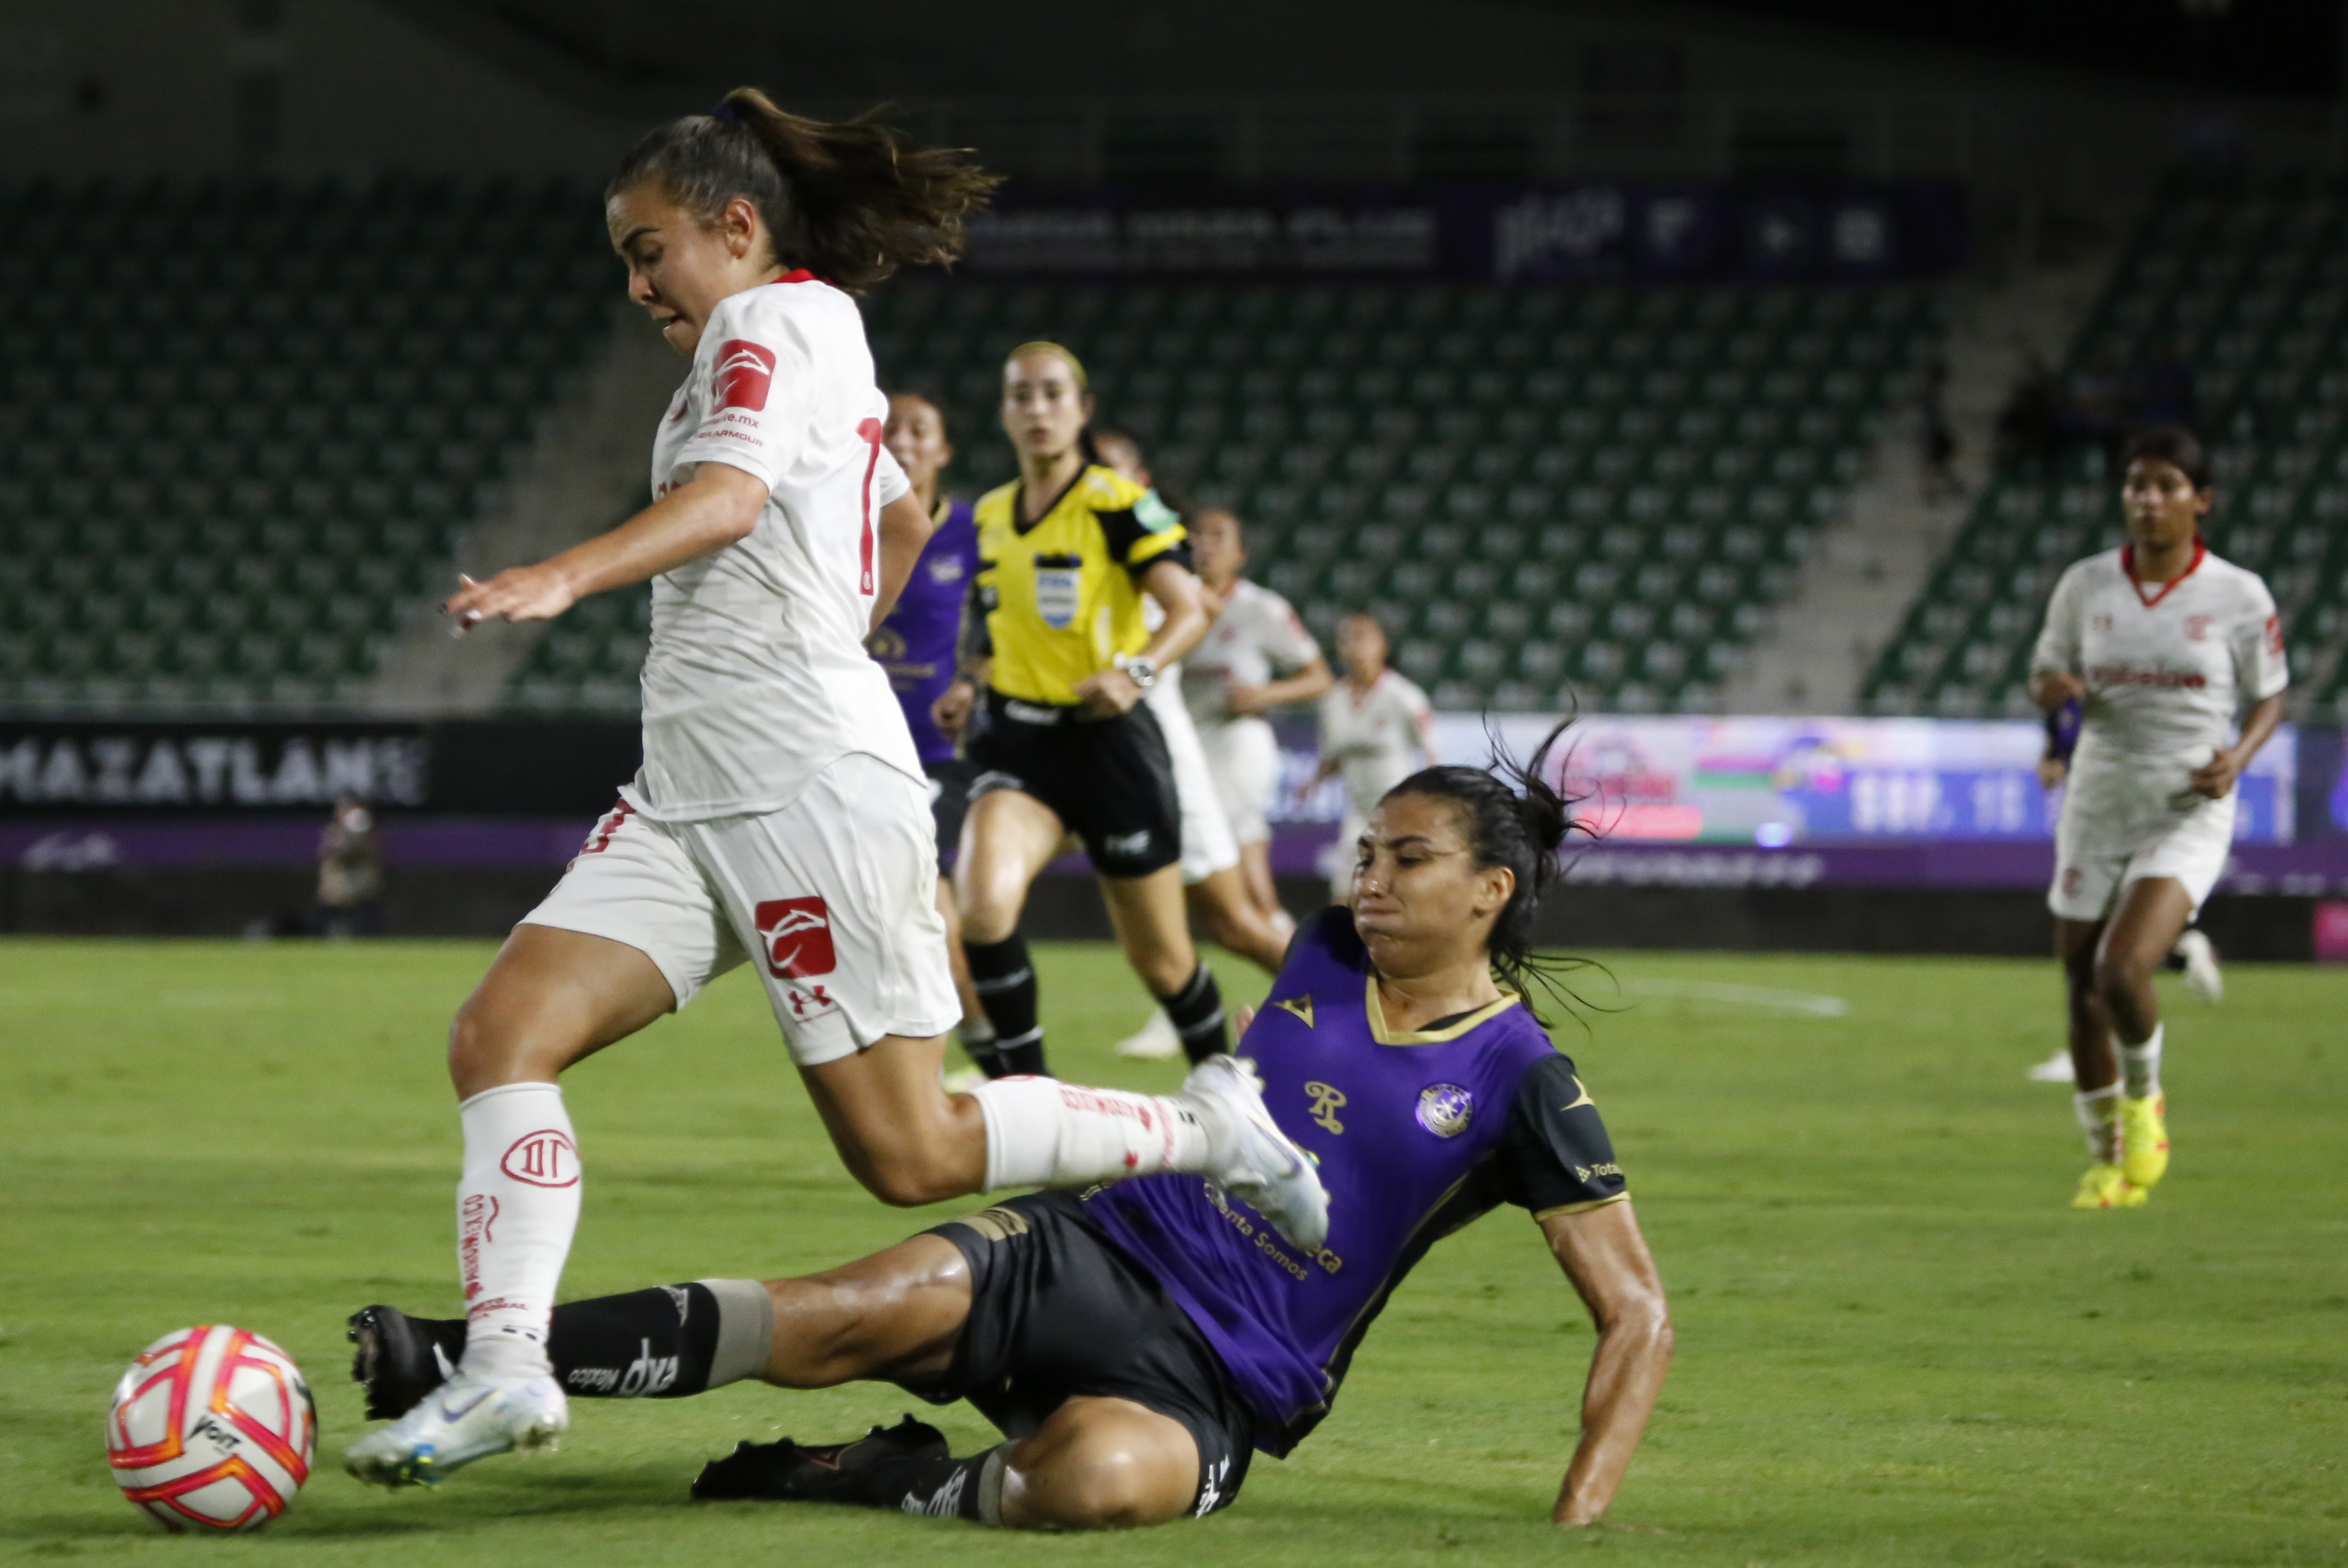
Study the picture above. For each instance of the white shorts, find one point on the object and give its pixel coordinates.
(1208, 845)
(835, 893)
(2125, 821)
(1243, 755)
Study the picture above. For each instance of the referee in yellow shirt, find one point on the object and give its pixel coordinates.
(1064, 745)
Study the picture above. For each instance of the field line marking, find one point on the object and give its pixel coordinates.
(1769, 998)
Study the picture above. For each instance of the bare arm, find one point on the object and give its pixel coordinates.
(2050, 689)
(2215, 777)
(718, 508)
(905, 529)
(1307, 684)
(1606, 1258)
(1177, 590)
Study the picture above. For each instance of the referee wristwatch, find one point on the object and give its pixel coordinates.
(1142, 672)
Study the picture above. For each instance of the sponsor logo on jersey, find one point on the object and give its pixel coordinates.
(546, 1158)
(1059, 589)
(1446, 1108)
(797, 933)
(945, 568)
(2129, 676)
(1326, 1099)
(744, 375)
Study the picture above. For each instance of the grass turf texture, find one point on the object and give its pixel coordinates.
(1897, 1344)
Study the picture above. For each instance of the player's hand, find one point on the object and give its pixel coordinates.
(2214, 779)
(1244, 700)
(1241, 1016)
(2052, 771)
(951, 712)
(2050, 689)
(1110, 693)
(518, 594)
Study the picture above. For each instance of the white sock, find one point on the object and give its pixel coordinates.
(1041, 1132)
(2099, 1117)
(517, 1208)
(2140, 1064)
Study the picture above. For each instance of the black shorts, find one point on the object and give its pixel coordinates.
(949, 804)
(1057, 1311)
(1111, 781)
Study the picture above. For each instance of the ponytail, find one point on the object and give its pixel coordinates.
(850, 201)
(1511, 816)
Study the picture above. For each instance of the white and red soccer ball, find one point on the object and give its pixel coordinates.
(212, 1429)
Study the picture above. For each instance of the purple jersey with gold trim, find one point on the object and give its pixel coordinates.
(1417, 1134)
(916, 643)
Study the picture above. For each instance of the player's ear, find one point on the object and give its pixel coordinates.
(739, 222)
(1499, 885)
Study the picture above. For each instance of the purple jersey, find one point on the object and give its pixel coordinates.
(916, 643)
(1417, 1134)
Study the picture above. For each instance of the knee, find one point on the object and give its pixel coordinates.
(2117, 977)
(481, 1052)
(1163, 970)
(989, 909)
(905, 1178)
(1100, 1488)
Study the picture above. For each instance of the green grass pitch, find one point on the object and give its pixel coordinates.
(1897, 1344)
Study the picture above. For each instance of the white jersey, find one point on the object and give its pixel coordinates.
(2167, 666)
(758, 674)
(1256, 638)
(1375, 735)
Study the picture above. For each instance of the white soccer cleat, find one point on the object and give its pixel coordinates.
(1253, 1158)
(2202, 975)
(1154, 1041)
(2055, 1068)
(465, 1418)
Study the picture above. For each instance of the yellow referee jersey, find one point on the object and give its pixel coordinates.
(1059, 596)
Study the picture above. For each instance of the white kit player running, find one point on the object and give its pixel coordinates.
(2163, 643)
(1257, 657)
(781, 815)
(1375, 726)
(1215, 887)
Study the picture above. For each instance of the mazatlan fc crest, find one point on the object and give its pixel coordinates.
(1444, 1108)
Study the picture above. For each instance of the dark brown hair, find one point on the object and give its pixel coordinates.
(1511, 815)
(851, 202)
(2171, 444)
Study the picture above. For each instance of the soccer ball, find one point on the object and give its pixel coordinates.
(211, 1429)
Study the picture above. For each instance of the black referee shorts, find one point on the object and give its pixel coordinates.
(949, 804)
(1111, 781)
(1058, 1312)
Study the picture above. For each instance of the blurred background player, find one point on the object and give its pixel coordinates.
(1223, 908)
(1065, 743)
(1375, 724)
(2194, 956)
(1257, 657)
(2161, 642)
(780, 810)
(1114, 1337)
(350, 872)
(917, 643)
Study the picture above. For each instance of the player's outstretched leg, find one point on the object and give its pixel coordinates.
(1093, 1464)
(552, 997)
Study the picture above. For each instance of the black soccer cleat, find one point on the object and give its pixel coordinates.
(399, 1360)
(789, 1472)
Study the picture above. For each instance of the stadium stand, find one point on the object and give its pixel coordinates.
(235, 446)
(2228, 307)
(1549, 495)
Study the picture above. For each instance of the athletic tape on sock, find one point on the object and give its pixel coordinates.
(990, 1485)
(746, 1330)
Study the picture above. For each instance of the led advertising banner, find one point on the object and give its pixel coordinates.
(1776, 782)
